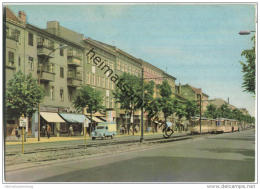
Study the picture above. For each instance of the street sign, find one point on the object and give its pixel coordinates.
(23, 122)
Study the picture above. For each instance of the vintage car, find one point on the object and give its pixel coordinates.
(104, 130)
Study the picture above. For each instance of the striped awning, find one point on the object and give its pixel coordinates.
(96, 119)
(52, 117)
(73, 118)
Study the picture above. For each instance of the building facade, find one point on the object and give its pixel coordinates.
(62, 61)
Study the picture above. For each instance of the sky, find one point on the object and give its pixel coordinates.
(198, 44)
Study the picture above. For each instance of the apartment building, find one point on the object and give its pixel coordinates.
(192, 93)
(61, 59)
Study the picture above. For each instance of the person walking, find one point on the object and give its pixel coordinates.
(17, 132)
(48, 130)
(70, 130)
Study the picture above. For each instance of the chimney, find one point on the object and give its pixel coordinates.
(22, 16)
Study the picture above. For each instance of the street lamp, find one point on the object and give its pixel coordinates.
(39, 83)
(245, 32)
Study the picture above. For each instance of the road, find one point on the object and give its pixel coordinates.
(228, 157)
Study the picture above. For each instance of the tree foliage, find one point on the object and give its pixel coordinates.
(225, 112)
(167, 103)
(211, 111)
(129, 95)
(151, 105)
(248, 69)
(87, 97)
(191, 108)
(23, 95)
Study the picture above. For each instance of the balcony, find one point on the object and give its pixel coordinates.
(45, 50)
(74, 79)
(46, 73)
(13, 37)
(72, 54)
(74, 62)
(10, 65)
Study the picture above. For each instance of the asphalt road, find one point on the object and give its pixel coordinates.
(226, 157)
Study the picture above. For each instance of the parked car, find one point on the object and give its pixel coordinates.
(104, 130)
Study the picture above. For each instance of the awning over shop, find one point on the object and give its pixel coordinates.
(73, 118)
(97, 119)
(52, 117)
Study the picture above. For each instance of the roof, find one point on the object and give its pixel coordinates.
(43, 31)
(10, 15)
(219, 102)
(196, 90)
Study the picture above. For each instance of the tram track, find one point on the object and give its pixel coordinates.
(95, 144)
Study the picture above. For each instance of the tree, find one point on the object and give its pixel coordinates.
(211, 111)
(167, 103)
(180, 111)
(151, 105)
(225, 111)
(23, 95)
(87, 97)
(237, 114)
(191, 109)
(248, 68)
(128, 94)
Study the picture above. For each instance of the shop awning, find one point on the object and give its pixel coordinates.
(52, 117)
(73, 118)
(97, 119)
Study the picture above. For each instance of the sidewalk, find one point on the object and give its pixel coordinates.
(58, 139)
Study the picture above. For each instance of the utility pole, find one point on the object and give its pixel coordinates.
(200, 113)
(142, 109)
(39, 117)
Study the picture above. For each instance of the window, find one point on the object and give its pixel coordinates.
(93, 69)
(61, 72)
(94, 79)
(30, 39)
(52, 93)
(30, 61)
(61, 51)
(11, 58)
(7, 31)
(118, 65)
(61, 95)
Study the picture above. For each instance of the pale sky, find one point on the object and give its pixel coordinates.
(199, 44)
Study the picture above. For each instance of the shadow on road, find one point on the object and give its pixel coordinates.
(245, 152)
(234, 138)
(163, 169)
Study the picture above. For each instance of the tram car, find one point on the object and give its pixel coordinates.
(219, 125)
(207, 125)
(227, 125)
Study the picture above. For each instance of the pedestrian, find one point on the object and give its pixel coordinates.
(48, 130)
(44, 130)
(70, 130)
(17, 132)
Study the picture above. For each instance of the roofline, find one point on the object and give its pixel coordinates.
(44, 32)
(96, 43)
(128, 55)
